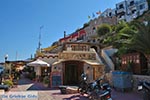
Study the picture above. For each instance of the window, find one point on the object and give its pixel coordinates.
(121, 6)
(142, 6)
(131, 3)
(110, 14)
(133, 11)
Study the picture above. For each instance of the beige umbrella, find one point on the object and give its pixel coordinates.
(37, 64)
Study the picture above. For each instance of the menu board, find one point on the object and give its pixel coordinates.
(56, 80)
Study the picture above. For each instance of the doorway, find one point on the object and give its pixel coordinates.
(72, 72)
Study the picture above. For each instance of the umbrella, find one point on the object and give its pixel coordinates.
(39, 63)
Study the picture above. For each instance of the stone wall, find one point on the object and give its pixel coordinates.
(135, 79)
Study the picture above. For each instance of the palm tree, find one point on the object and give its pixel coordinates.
(124, 36)
(119, 38)
(141, 42)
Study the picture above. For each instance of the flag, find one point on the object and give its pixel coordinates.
(98, 13)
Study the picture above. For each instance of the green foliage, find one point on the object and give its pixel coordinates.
(26, 69)
(124, 35)
(148, 4)
(122, 50)
(32, 75)
(120, 26)
(113, 27)
(128, 37)
(8, 82)
(103, 29)
(46, 80)
(141, 42)
(85, 25)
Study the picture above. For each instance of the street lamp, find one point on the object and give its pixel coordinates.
(6, 57)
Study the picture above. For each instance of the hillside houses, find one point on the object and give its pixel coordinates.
(126, 10)
(80, 51)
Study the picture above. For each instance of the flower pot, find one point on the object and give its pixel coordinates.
(45, 85)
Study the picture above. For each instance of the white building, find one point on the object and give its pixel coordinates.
(129, 9)
(109, 12)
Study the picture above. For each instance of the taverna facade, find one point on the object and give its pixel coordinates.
(73, 60)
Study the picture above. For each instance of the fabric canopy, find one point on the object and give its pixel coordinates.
(39, 63)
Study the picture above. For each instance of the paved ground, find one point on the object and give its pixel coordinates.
(55, 94)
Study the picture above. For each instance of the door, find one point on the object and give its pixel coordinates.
(72, 72)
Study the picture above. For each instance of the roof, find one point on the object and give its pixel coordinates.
(91, 62)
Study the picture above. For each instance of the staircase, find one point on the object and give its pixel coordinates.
(106, 58)
(107, 68)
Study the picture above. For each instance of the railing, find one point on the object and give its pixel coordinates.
(107, 59)
(97, 56)
(121, 10)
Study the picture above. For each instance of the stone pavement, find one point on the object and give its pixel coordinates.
(45, 93)
(117, 95)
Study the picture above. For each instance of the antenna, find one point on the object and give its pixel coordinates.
(39, 44)
(16, 55)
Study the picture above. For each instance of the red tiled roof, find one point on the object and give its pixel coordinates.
(74, 35)
(82, 32)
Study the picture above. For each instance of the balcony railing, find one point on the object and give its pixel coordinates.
(120, 10)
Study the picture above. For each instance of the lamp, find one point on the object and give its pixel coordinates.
(6, 57)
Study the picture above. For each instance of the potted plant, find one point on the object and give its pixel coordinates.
(46, 81)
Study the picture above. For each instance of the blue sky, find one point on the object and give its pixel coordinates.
(20, 22)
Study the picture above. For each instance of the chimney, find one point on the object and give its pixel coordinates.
(64, 34)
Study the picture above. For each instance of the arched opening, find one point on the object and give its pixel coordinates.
(72, 71)
(94, 48)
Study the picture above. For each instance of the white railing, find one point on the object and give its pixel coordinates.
(97, 56)
(107, 59)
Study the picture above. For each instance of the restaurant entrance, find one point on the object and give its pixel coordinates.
(72, 72)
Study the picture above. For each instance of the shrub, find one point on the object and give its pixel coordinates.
(46, 80)
(8, 82)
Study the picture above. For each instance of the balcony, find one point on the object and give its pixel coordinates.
(121, 11)
(121, 18)
(132, 7)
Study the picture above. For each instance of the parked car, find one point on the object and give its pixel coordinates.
(4, 87)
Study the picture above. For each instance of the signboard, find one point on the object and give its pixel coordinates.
(56, 79)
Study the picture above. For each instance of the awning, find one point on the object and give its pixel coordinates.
(38, 63)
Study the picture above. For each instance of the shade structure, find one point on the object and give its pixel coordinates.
(38, 63)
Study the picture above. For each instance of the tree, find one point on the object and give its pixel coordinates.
(141, 42)
(120, 26)
(103, 29)
(124, 36)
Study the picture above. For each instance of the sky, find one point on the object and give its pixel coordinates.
(20, 22)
